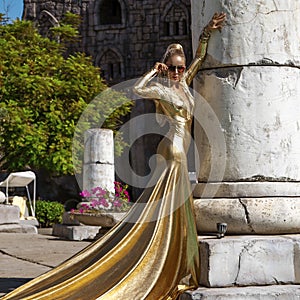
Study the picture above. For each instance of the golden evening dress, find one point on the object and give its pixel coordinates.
(150, 252)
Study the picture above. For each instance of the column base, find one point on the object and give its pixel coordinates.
(272, 215)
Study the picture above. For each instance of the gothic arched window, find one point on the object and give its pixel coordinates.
(110, 12)
(47, 21)
(111, 66)
(174, 21)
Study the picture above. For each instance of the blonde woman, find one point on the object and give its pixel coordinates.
(150, 253)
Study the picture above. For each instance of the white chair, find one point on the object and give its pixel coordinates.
(21, 179)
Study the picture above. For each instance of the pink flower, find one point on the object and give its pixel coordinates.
(127, 195)
(85, 206)
(94, 203)
(103, 199)
(103, 202)
(85, 193)
(117, 203)
(98, 191)
(118, 189)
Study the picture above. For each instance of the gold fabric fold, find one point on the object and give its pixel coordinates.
(144, 257)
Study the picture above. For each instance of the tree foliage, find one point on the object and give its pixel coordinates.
(43, 93)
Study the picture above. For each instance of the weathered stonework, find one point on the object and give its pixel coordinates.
(98, 167)
(250, 80)
(249, 260)
(124, 37)
(10, 220)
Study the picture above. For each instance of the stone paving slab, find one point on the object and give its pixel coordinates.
(24, 256)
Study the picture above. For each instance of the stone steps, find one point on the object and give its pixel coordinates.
(272, 292)
(249, 260)
(248, 267)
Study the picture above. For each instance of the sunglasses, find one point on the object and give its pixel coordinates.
(179, 69)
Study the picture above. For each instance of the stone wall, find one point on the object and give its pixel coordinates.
(124, 37)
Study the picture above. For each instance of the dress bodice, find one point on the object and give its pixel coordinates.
(177, 111)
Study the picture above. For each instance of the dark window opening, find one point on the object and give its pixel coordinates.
(111, 71)
(166, 28)
(176, 28)
(119, 69)
(184, 27)
(110, 12)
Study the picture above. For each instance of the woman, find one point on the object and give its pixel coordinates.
(154, 250)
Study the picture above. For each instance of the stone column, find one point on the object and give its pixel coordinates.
(251, 80)
(98, 167)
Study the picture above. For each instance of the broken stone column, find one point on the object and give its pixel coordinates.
(98, 167)
(10, 220)
(251, 80)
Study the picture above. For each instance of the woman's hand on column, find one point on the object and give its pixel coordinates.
(216, 22)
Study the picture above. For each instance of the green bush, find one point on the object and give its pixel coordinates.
(49, 212)
(43, 93)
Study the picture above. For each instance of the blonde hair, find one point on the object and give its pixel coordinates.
(173, 49)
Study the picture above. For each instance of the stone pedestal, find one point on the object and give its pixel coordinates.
(248, 267)
(10, 214)
(78, 229)
(10, 221)
(98, 167)
(246, 209)
(249, 260)
(251, 82)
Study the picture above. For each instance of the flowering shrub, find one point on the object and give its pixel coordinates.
(101, 200)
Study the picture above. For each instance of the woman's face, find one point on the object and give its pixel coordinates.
(176, 67)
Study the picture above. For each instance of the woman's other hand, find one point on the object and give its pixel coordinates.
(216, 22)
(161, 68)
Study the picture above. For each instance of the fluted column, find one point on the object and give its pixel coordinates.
(251, 80)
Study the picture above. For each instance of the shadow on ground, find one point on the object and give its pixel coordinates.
(9, 284)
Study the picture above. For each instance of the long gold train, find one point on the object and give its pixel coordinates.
(143, 257)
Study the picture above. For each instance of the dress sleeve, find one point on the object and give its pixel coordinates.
(151, 91)
(199, 57)
(142, 87)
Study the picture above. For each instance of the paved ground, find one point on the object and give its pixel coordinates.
(24, 256)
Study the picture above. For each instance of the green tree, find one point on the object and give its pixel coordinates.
(43, 93)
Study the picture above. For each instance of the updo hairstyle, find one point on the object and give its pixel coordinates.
(173, 49)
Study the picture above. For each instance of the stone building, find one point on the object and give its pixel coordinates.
(124, 37)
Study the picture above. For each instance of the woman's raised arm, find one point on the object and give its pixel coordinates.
(142, 87)
(215, 23)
